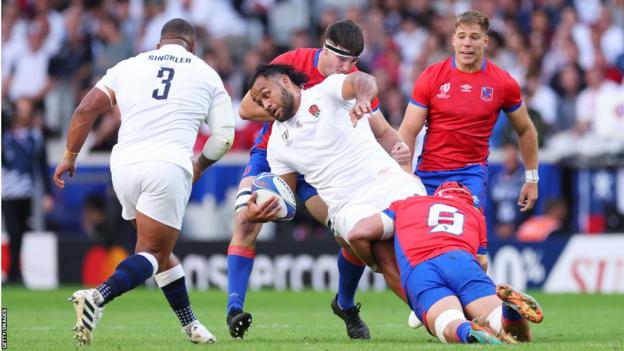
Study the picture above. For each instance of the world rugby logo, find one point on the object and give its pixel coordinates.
(444, 89)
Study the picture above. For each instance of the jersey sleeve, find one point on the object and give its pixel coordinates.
(332, 85)
(218, 94)
(421, 93)
(512, 100)
(278, 166)
(110, 79)
(375, 104)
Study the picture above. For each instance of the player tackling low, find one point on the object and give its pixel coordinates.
(163, 96)
(441, 245)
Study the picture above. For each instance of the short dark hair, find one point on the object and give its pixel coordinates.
(346, 34)
(272, 70)
(178, 28)
(473, 17)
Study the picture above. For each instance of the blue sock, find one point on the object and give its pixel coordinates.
(463, 332)
(510, 314)
(240, 264)
(178, 299)
(132, 271)
(348, 279)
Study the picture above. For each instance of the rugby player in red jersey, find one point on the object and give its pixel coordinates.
(459, 100)
(441, 245)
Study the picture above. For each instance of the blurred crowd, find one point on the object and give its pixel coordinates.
(567, 55)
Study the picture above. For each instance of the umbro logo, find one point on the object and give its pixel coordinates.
(466, 88)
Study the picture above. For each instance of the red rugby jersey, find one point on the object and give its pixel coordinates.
(462, 110)
(304, 60)
(428, 226)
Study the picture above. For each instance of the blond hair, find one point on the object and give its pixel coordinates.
(473, 17)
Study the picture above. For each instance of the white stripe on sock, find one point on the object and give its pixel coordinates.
(152, 259)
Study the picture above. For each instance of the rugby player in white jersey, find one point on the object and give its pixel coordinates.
(163, 95)
(322, 134)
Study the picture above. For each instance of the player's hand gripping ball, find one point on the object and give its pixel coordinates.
(267, 185)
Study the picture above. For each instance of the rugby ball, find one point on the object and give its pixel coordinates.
(267, 185)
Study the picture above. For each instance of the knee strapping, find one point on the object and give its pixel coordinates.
(241, 199)
(167, 277)
(444, 319)
(495, 319)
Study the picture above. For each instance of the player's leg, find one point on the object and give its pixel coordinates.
(171, 280)
(475, 291)
(510, 310)
(240, 259)
(383, 252)
(432, 298)
(154, 241)
(242, 249)
(433, 302)
(350, 269)
(400, 186)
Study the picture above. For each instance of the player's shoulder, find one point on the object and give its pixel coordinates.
(130, 62)
(495, 70)
(331, 82)
(296, 57)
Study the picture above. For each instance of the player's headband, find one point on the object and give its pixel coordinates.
(337, 51)
(461, 190)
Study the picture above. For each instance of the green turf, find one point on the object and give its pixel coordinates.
(141, 320)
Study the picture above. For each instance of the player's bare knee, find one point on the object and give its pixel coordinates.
(355, 235)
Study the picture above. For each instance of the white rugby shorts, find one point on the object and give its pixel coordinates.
(158, 189)
(376, 198)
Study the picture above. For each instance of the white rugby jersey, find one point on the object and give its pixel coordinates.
(163, 96)
(320, 143)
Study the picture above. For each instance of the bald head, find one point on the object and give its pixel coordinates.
(178, 31)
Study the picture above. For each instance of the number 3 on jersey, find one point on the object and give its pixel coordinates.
(444, 218)
(168, 72)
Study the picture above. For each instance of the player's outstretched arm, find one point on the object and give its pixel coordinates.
(92, 105)
(389, 139)
(365, 231)
(413, 122)
(250, 111)
(527, 141)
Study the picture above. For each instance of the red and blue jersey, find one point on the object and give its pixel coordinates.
(428, 226)
(462, 110)
(304, 60)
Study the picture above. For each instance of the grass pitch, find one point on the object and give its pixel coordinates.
(142, 320)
